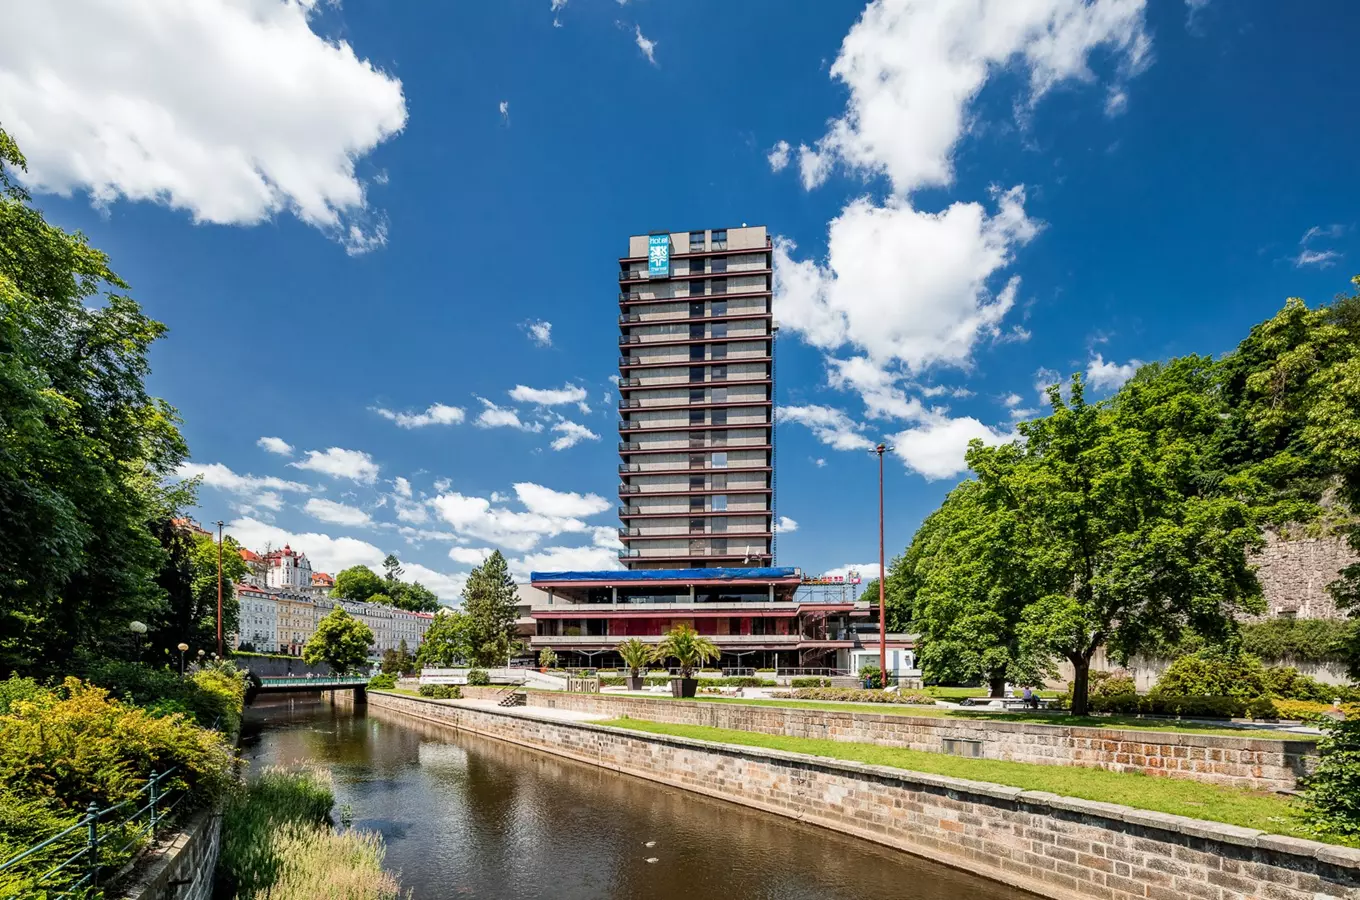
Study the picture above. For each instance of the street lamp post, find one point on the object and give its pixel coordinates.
(219, 588)
(183, 648)
(882, 614)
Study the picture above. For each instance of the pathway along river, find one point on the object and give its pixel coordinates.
(470, 817)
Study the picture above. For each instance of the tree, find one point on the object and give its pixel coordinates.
(636, 655)
(406, 663)
(191, 590)
(547, 658)
(448, 641)
(491, 600)
(86, 454)
(392, 570)
(412, 596)
(1122, 542)
(357, 583)
(390, 665)
(688, 648)
(340, 641)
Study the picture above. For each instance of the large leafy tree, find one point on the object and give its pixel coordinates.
(190, 581)
(448, 641)
(340, 641)
(362, 584)
(490, 601)
(85, 451)
(357, 583)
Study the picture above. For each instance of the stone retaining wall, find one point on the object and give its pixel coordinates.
(1243, 762)
(1055, 846)
(182, 866)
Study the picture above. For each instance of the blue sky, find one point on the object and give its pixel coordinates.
(356, 219)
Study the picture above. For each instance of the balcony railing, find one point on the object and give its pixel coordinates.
(630, 489)
(630, 467)
(625, 446)
(629, 554)
(629, 532)
(629, 318)
(630, 382)
(627, 403)
(630, 511)
(625, 425)
(630, 339)
(722, 640)
(629, 361)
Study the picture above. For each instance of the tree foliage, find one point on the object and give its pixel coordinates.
(687, 647)
(448, 641)
(357, 583)
(85, 451)
(361, 584)
(340, 641)
(490, 601)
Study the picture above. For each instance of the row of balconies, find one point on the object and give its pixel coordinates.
(641, 274)
(713, 247)
(740, 293)
(677, 340)
(680, 490)
(691, 316)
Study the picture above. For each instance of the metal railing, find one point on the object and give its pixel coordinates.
(316, 681)
(94, 834)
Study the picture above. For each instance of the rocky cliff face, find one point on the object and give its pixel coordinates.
(1294, 574)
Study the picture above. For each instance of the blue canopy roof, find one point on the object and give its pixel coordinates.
(687, 575)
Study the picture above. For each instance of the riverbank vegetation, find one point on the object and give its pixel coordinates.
(278, 843)
(1233, 806)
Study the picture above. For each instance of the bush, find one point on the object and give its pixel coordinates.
(1160, 704)
(215, 695)
(478, 678)
(744, 681)
(857, 695)
(873, 675)
(1332, 792)
(442, 691)
(809, 682)
(1302, 710)
(1299, 640)
(384, 681)
(1209, 674)
(16, 688)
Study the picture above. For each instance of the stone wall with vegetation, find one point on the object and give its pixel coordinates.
(181, 867)
(1271, 765)
(1294, 574)
(1054, 846)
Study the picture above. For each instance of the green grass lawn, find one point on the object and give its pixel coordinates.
(1123, 722)
(1234, 806)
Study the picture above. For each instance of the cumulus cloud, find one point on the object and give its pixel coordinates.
(547, 514)
(570, 393)
(401, 487)
(337, 513)
(779, 156)
(785, 525)
(493, 416)
(829, 425)
(647, 47)
(435, 414)
(565, 559)
(936, 448)
(1106, 376)
(505, 111)
(340, 463)
(572, 434)
(331, 554)
(566, 504)
(231, 111)
(819, 463)
(539, 332)
(217, 475)
(275, 445)
(865, 571)
(469, 556)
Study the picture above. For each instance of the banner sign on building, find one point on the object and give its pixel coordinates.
(658, 256)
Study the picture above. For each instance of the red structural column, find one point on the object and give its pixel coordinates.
(882, 615)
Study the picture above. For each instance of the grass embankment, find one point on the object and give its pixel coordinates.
(1132, 723)
(277, 842)
(1234, 806)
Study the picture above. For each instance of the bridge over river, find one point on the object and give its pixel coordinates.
(309, 684)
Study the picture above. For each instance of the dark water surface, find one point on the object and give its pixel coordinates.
(470, 817)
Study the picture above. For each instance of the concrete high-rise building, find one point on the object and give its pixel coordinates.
(696, 388)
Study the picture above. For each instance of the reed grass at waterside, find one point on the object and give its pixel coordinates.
(278, 843)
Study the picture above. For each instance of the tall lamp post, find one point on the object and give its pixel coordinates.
(183, 648)
(882, 612)
(219, 588)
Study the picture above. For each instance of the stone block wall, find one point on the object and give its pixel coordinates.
(1055, 846)
(1269, 765)
(181, 867)
(1294, 574)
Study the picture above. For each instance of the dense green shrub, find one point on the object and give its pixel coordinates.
(442, 691)
(1332, 792)
(214, 695)
(383, 681)
(1298, 640)
(858, 695)
(809, 682)
(1159, 704)
(16, 688)
(478, 678)
(1208, 674)
(873, 675)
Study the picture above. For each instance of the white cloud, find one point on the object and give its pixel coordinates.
(402, 487)
(275, 445)
(606, 537)
(830, 426)
(882, 398)
(1116, 101)
(269, 500)
(505, 111)
(435, 414)
(779, 156)
(558, 4)
(493, 416)
(564, 504)
(218, 476)
(447, 587)
(340, 463)
(936, 448)
(819, 463)
(565, 559)
(551, 396)
(647, 47)
(411, 512)
(469, 556)
(785, 525)
(914, 69)
(1012, 400)
(866, 570)
(1320, 258)
(498, 497)
(442, 484)
(1106, 376)
(1323, 231)
(337, 513)
(572, 434)
(233, 111)
(539, 332)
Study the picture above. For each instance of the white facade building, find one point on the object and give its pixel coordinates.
(289, 570)
(258, 618)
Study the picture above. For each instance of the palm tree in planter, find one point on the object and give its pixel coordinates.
(689, 650)
(635, 655)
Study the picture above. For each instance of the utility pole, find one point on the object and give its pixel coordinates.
(882, 612)
(219, 589)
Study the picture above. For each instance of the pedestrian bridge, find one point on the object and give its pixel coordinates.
(301, 683)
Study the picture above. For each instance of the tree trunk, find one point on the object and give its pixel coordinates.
(996, 686)
(1081, 682)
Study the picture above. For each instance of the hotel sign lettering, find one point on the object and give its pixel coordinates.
(658, 256)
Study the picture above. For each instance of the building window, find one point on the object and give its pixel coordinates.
(718, 373)
(696, 460)
(696, 417)
(719, 329)
(696, 288)
(720, 239)
(696, 395)
(718, 481)
(719, 502)
(719, 416)
(719, 351)
(696, 352)
(720, 395)
(719, 546)
(696, 483)
(719, 438)
(696, 240)
(719, 285)
(719, 307)
(696, 332)
(696, 310)
(720, 524)
(696, 526)
(720, 460)
(696, 374)
(716, 264)
(696, 266)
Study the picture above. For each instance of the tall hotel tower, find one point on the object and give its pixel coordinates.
(696, 387)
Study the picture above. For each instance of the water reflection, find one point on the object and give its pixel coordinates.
(467, 816)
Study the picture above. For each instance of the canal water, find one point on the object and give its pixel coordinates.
(470, 817)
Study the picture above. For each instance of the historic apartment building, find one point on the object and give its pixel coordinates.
(696, 388)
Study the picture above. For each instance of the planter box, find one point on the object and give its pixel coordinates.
(684, 687)
(636, 683)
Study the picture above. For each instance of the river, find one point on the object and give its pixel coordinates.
(470, 817)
